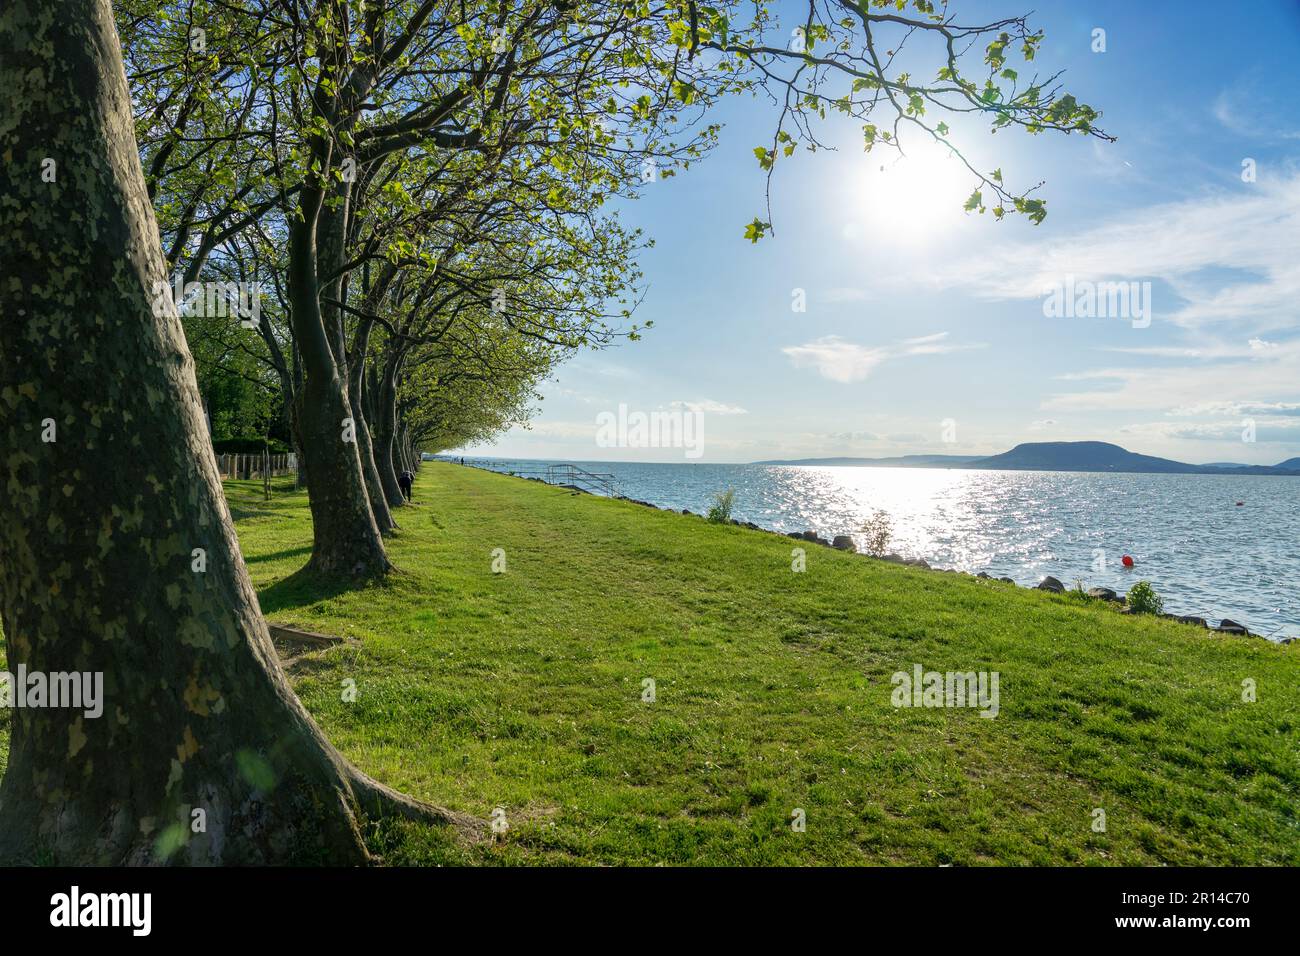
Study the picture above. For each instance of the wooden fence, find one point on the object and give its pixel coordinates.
(256, 465)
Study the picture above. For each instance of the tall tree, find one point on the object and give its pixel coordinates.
(119, 556)
(316, 109)
(324, 94)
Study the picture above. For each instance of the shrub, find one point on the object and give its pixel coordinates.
(249, 446)
(877, 529)
(720, 510)
(1142, 598)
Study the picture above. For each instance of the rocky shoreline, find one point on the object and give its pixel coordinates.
(844, 542)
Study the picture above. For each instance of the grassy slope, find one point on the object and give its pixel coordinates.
(523, 690)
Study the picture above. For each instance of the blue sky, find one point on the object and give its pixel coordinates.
(924, 323)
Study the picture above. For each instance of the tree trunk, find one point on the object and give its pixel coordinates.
(386, 438)
(365, 446)
(288, 384)
(346, 538)
(374, 484)
(300, 479)
(408, 456)
(119, 554)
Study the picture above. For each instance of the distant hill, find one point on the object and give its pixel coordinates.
(1058, 456)
(901, 461)
(1082, 456)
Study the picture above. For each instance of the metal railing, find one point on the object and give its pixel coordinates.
(573, 476)
(564, 474)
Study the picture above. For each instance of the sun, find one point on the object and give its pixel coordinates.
(910, 198)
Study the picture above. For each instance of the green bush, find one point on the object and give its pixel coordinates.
(1142, 598)
(250, 446)
(720, 510)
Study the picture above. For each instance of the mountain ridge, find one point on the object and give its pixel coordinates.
(1085, 456)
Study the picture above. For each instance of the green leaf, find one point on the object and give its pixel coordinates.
(1035, 209)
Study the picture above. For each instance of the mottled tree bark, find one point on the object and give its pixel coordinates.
(369, 468)
(346, 531)
(345, 536)
(365, 446)
(117, 552)
(386, 451)
(408, 453)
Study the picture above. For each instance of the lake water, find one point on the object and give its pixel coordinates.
(1204, 554)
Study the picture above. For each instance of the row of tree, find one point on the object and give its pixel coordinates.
(424, 186)
(423, 189)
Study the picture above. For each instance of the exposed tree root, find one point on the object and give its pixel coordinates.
(378, 801)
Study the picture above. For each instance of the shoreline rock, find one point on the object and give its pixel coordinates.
(1050, 584)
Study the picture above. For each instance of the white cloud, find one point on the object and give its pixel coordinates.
(1227, 431)
(562, 429)
(712, 407)
(858, 436)
(1238, 408)
(836, 359)
(1231, 257)
(846, 362)
(577, 396)
(1245, 106)
(1155, 351)
(1242, 381)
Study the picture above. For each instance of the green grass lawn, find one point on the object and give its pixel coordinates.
(523, 690)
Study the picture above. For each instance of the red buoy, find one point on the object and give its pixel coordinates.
(1126, 561)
